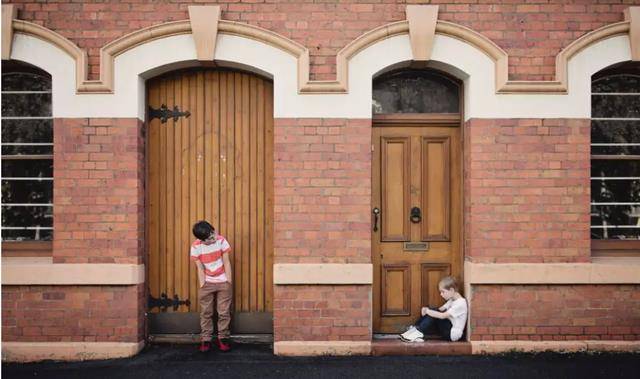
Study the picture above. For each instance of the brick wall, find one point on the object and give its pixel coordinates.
(322, 313)
(322, 190)
(527, 190)
(322, 197)
(98, 191)
(73, 313)
(555, 312)
(532, 34)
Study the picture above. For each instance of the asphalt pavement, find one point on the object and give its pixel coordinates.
(258, 361)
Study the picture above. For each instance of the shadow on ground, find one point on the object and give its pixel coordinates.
(258, 361)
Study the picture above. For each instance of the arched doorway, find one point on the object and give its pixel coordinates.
(417, 193)
(209, 156)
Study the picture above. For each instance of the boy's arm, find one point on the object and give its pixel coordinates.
(436, 314)
(200, 270)
(227, 267)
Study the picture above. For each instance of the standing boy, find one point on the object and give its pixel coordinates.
(210, 253)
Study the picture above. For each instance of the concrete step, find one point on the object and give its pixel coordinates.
(394, 346)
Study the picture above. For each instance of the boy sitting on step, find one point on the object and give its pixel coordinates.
(448, 320)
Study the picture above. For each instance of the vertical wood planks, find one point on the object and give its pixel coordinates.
(216, 165)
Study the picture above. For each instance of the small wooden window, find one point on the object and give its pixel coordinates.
(615, 161)
(27, 160)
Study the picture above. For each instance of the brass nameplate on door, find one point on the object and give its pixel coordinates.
(416, 246)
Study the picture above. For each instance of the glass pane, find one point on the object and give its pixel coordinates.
(615, 106)
(27, 131)
(26, 105)
(25, 81)
(31, 168)
(600, 168)
(23, 216)
(27, 150)
(415, 92)
(617, 84)
(27, 191)
(27, 235)
(615, 191)
(615, 132)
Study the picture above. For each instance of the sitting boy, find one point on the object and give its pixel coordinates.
(448, 320)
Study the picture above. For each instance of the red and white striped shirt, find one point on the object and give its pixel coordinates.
(211, 257)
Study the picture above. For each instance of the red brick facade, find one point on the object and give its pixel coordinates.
(98, 218)
(526, 181)
(322, 190)
(527, 190)
(73, 313)
(322, 313)
(555, 312)
(322, 197)
(532, 34)
(98, 191)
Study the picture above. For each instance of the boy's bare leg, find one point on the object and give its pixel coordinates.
(206, 296)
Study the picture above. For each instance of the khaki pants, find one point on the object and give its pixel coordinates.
(207, 297)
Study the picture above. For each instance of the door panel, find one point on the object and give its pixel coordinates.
(435, 189)
(396, 290)
(216, 165)
(396, 165)
(430, 276)
(414, 167)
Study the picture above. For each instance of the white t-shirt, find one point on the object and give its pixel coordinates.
(457, 315)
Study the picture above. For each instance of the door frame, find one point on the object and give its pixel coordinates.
(260, 321)
(420, 119)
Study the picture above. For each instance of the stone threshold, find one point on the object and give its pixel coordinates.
(390, 344)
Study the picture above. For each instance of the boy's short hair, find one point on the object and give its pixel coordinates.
(202, 230)
(448, 282)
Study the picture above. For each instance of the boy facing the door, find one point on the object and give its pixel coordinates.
(210, 252)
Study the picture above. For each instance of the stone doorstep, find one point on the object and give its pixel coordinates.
(195, 338)
(389, 346)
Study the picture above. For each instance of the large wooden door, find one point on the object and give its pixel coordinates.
(214, 165)
(416, 168)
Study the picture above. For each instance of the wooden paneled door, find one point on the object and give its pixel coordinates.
(417, 213)
(216, 165)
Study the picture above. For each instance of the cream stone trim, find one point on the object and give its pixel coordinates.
(600, 271)
(496, 347)
(422, 21)
(9, 12)
(68, 351)
(314, 348)
(42, 271)
(301, 53)
(204, 26)
(632, 14)
(322, 273)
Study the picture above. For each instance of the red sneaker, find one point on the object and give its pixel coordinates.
(223, 344)
(205, 346)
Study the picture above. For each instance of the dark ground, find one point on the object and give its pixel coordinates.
(258, 361)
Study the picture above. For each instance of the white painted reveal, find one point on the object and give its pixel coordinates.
(460, 59)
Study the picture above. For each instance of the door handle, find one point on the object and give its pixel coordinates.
(416, 215)
(376, 213)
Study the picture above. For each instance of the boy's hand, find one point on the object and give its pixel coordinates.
(428, 312)
(424, 310)
(201, 283)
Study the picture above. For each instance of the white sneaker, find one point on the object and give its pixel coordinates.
(408, 333)
(412, 336)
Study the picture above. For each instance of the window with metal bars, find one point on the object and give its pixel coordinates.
(27, 157)
(615, 160)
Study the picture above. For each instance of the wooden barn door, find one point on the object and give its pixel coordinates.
(416, 181)
(216, 165)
